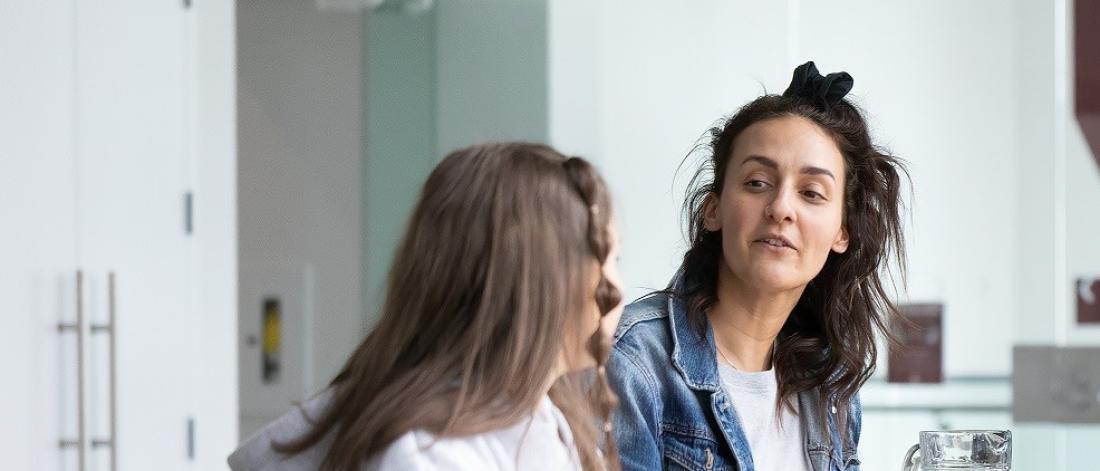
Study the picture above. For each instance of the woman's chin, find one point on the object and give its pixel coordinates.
(772, 279)
(768, 275)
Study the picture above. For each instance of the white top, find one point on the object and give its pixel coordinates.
(543, 441)
(777, 443)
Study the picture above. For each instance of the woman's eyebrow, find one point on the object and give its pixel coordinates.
(760, 159)
(808, 170)
(811, 170)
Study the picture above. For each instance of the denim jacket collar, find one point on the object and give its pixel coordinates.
(698, 365)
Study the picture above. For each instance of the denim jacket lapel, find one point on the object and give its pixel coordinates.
(694, 357)
(819, 444)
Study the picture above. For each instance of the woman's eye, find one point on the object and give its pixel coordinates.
(813, 195)
(756, 184)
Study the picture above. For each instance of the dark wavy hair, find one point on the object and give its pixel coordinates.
(493, 276)
(828, 342)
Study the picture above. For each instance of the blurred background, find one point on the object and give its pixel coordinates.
(201, 198)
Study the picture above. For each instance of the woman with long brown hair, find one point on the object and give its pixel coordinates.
(490, 349)
(753, 357)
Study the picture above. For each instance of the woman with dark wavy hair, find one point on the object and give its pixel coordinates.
(490, 349)
(753, 357)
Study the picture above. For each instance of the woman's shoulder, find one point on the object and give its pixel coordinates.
(258, 452)
(536, 442)
(419, 450)
(642, 347)
(541, 441)
(644, 323)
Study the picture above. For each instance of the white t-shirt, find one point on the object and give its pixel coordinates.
(777, 443)
(543, 441)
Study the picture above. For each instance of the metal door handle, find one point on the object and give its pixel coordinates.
(109, 329)
(78, 327)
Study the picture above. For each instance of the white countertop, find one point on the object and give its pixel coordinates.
(961, 394)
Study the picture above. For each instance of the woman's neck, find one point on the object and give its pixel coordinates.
(746, 321)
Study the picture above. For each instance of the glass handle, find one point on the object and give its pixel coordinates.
(912, 459)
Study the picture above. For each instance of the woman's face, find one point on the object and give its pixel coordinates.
(781, 208)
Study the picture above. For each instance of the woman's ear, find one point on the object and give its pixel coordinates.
(840, 245)
(711, 220)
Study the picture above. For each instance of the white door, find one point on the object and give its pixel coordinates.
(132, 180)
(37, 235)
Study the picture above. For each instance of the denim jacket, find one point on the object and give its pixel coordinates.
(673, 412)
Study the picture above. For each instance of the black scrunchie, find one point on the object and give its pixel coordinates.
(825, 91)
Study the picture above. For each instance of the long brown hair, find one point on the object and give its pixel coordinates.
(490, 277)
(829, 339)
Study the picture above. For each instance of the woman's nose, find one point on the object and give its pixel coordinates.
(781, 208)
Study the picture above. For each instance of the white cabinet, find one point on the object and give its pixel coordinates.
(98, 138)
(132, 177)
(37, 230)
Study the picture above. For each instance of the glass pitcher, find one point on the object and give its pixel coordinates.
(986, 450)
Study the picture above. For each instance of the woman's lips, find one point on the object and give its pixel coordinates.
(774, 245)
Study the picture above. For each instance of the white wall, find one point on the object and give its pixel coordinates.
(299, 193)
(1036, 265)
(215, 212)
(574, 67)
